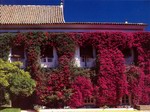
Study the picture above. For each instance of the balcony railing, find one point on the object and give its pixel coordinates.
(87, 62)
(48, 62)
(129, 60)
(15, 58)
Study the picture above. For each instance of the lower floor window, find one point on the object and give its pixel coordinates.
(125, 100)
(89, 100)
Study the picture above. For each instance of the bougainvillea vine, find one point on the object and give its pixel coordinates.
(61, 86)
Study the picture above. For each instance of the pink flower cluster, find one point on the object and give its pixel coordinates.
(59, 87)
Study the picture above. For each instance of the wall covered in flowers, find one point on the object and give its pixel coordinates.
(66, 84)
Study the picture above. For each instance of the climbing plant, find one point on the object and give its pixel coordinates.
(65, 84)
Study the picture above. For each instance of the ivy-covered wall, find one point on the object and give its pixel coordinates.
(108, 82)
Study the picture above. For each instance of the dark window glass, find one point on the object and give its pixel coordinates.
(125, 100)
(126, 52)
(46, 51)
(18, 51)
(49, 60)
(86, 51)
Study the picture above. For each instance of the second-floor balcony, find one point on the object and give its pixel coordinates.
(17, 53)
(129, 56)
(18, 58)
(48, 57)
(85, 57)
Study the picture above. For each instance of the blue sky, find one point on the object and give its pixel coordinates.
(133, 11)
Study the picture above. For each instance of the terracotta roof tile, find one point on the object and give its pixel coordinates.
(30, 14)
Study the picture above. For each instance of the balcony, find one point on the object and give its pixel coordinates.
(85, 57)
(129, 56)
(15, 58)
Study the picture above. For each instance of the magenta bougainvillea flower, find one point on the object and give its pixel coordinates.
(60, 86)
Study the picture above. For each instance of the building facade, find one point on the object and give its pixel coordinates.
(99, 63)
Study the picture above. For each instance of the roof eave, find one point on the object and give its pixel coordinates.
(77, 23)
(77, 26)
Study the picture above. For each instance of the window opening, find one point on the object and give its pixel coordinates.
(86, 52)
(125, 100)
(127, 53)
(17, 53)
(89, 100)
